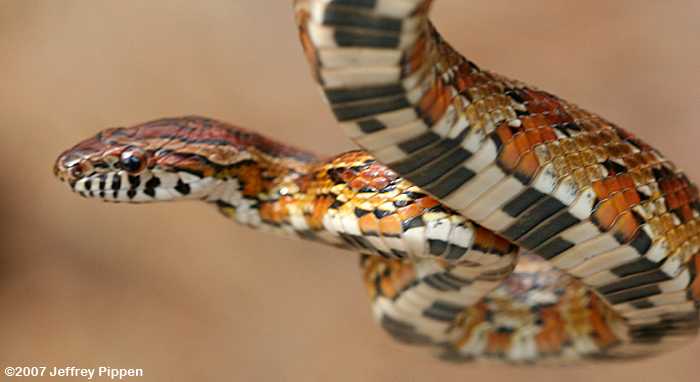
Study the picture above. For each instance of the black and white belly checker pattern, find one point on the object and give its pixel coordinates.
(362, 51)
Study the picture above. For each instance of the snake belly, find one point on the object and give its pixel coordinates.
(588, 198)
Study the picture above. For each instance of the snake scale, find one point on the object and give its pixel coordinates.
(493, 220)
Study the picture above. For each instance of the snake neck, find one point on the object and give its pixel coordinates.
(326, 201)
(259, 183)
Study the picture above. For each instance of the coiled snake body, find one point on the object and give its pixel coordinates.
(470, 168)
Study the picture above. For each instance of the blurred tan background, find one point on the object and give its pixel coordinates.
(187, 295)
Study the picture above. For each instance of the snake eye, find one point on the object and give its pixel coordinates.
(76, 170)
(133, 160)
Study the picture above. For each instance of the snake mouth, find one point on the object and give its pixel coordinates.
(114, 186)
(148, 186)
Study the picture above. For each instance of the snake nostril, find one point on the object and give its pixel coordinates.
(69, 166)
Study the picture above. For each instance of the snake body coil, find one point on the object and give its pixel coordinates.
(470, 167)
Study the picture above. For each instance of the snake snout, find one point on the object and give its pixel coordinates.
(70, 166)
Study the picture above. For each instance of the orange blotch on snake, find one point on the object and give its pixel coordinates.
(498, 343)
(483, 239)
(528, 165)
(410, 211)
(359, 183)
(501, 245)
(417, 56)
(369, 224)
(390, 225)
(429, 97)
(604, 335)
(387, 286)
(600, 190)
(438, 108)
(320, 208)
(464, 79)
(509, 156)
(631, 197)
(619, 201)
(522, 144)
(275, 212)
(625, 227)
(552, 335)
(605, 214)
(427, 202)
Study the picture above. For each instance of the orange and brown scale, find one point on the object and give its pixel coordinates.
(354, 184)
(616, 225)
(577, 313)
(611, 161)
(594, 200)
(282, 182)
(286, 183)
(597, 148)
(315, 199)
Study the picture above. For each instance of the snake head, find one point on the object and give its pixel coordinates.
(156, 161)
(176, 158)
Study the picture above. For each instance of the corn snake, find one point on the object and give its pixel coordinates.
(426, 265)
